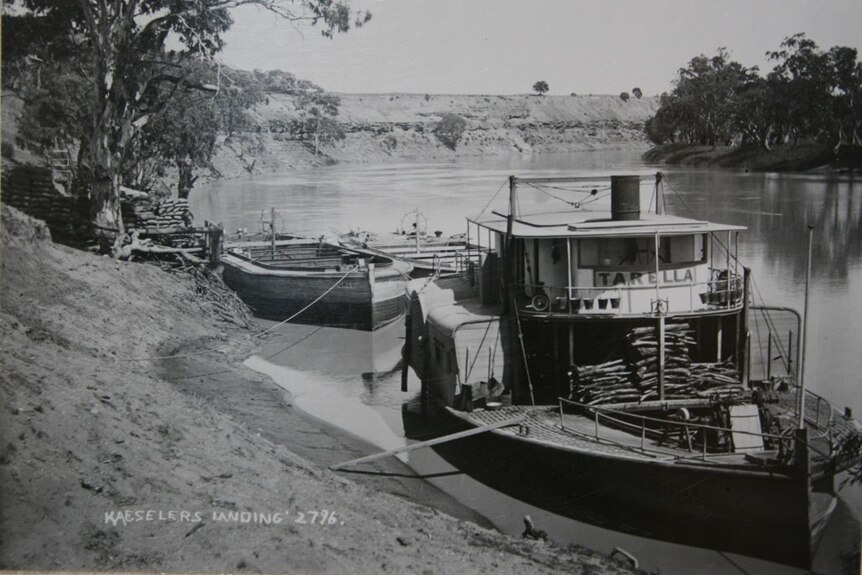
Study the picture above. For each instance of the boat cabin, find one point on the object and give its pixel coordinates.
(579, 283)
(618, 263)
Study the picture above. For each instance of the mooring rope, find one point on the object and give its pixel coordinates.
(201, 352)
(320, 297)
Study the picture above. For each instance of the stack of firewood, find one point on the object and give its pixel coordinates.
(642, 353)
(634, 377)
(683, 379)
(609, 382)
(711, 379)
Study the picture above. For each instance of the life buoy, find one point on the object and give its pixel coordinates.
(540, 302)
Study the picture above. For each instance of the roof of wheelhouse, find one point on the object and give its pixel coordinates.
(595, 224)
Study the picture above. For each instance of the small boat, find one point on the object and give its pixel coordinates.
(613, 361)
(428, 253)
(316, 282)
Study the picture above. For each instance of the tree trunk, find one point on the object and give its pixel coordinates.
(185, 181)
(104, 193)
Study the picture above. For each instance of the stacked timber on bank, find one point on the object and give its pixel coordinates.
(635, 376)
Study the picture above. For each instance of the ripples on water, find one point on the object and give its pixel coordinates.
(357, 368)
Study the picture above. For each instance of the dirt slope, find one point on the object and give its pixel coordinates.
(88, 429)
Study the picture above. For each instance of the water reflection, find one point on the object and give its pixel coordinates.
(352, 379)
(777, 210)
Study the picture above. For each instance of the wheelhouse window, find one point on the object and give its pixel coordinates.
(639, 252)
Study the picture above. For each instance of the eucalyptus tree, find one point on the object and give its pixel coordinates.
(127, 57)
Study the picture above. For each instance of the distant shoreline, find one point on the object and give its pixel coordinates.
(384, 128)
(787, 158)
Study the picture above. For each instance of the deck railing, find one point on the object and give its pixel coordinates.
(633, 300)
(467, 262)
(639, 423)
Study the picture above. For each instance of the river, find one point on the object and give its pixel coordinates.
(350, 378)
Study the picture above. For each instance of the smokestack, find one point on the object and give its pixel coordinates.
(625, 198)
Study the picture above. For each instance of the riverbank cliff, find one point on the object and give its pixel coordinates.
(108, 461)
(380, 128)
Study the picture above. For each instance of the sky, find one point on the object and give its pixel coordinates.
(505, 46)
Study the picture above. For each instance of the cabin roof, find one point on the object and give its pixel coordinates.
(592, 224)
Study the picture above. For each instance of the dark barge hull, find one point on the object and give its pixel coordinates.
(278, 295)
(752, 513)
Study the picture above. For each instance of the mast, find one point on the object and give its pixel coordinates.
(801, 365)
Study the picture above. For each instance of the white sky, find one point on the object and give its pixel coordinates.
(504, 46)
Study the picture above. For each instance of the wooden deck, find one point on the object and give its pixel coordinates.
(579, 434)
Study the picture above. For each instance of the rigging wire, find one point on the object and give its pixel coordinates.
(494, 197)
(575, 204)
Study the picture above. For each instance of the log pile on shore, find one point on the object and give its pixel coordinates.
(634, 376)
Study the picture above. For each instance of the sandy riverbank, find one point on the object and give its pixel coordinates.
(182, 457)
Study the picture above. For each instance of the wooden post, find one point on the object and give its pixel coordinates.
(661, 358)
(509, 260)
(790, 353)
(406, 349)
(416, 229)
(272, 229)
(742, 333)
(215, 237)
(569, 269)
(660, 313)
(769, 357)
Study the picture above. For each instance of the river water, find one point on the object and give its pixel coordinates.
(352, 378)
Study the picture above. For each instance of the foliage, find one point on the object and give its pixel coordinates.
(540, 87)
(184, 134)
(317, 109)
(117, 70)
(810, 94)
(390, 142)
(637, 93)
(624, 96)
(449, 130)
